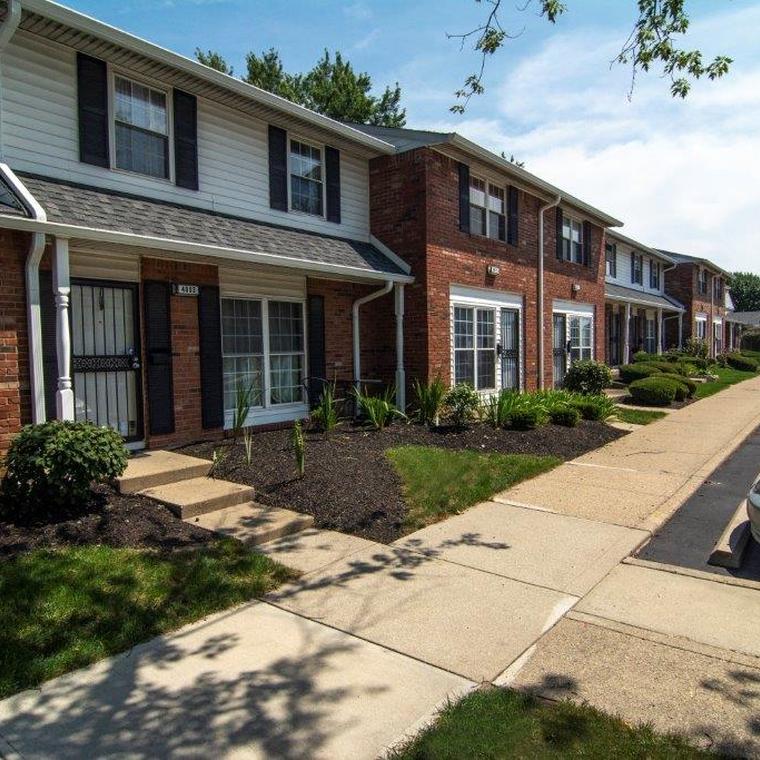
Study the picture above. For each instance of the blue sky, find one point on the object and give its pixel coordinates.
(682, 175)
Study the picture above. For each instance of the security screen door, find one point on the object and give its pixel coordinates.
(510, 349)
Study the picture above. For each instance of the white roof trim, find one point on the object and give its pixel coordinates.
(23, 193)
(203, 249)
(87, 24)
(640, 247)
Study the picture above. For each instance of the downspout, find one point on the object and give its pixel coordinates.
(7, 30)
(357, 340)
(540, 307)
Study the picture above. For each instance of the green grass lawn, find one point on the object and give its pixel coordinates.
(497, 724)
(440, 482)
(726, 377)
(638, 416)
(65, 608)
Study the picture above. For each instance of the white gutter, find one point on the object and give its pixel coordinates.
(89, 25)
(540, 320)
(200, 249)
(357, 338)
(32, 276)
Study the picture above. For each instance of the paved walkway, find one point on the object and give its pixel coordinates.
(528, 590)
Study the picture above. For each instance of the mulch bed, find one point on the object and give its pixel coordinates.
(110, 518)
(350, 485)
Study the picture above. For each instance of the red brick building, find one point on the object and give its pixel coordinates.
(467, 222)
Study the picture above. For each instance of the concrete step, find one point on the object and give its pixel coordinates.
(197, 496)
(253, 523)
(157, 468)
(729, 548)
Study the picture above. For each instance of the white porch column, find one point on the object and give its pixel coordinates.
(64, 396)
(660, 336)
(400, 373)
(680, 329)
(627, 335)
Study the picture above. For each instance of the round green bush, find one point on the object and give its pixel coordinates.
(743, 363)
(686, 382)
(668, 367)
(588, 377)
(526, 419)
(631, 372)
(565, 415)
(462, 403)
(654, 391)
(51, 467)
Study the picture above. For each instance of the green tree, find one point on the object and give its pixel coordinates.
(331, 87)
(745, 291)
(213, 60)
(652, 41)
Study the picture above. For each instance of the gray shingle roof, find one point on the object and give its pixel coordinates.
(68, 203)
(685, 258)
(642, 297)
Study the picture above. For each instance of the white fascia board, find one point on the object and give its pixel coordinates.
(642, 301)
(532, 180)
(640, 247)
(82, 22)
(389, 254)
(200, 249)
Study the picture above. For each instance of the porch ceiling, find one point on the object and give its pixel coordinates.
(90, 211)
(641, 298)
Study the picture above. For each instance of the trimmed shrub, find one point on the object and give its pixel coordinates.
(654, 391)
(588, 377)
(631, 372)
(565, 415)
(527, 419)
(51, 467)
(596, 408)
(462, 403)
(743, 363)
(686, 382)
(751, 340)
(643, 356)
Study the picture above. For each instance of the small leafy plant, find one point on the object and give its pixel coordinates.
(50, 467)
(244, 395)
(528, 418)
(429, 400)
(565, 415)
(462, 402)
(325, 414)
(299, 448)
(696, 347)
(380, 410)
(217, 460)
(588, 377)
(598, 408)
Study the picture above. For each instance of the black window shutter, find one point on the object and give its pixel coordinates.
(558, 218)
(278, 168)
(513, 212)
(587, 229)
(464, 197)
(614, 260)
(49, 350)
(210, 351)
(92, 93)
(185, 140)
(633, 267)
(316, 338)
(158, 352)
(332, 181)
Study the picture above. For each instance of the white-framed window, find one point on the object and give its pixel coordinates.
(718, 289)
(655, 269)
(488, 209)
(718, 338)
(650, 336)
(580, 337)
(610, 255)
(637, 269)
(263, 347)
(306, 171)
(475, 347)
(140, 128)
(700, 328)
(572, 239)
(702, 282)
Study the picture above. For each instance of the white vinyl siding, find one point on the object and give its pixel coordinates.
(623, 274)
(40, 136)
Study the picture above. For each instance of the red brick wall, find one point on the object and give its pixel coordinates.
(15, 400)
(415, 211)
(185, 350)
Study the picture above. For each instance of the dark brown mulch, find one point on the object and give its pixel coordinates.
(110, 518)
(351, 486)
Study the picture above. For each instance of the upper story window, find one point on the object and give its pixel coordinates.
(488, 209)
(718, 289)
(572, 240)
(306, 178)
(637, 269)
(610, 254)
(141, 128)
(655, 269)
(702, 282)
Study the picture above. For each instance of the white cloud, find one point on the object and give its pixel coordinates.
(683, 175)
(364, 42)
(358, 11)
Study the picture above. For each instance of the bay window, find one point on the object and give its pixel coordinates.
(263, 349)
(306, 185)
(475, 347)
(141, 128)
